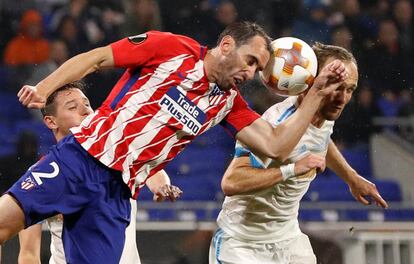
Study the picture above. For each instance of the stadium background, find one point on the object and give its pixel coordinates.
(375, 132)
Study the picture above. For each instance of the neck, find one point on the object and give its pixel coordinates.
(317, 120)
(59, 135)
(211, 65)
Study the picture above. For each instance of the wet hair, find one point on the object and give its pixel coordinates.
(324, 52)
(243, 32)
(50, 107)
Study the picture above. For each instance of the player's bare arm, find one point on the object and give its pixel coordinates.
(11, 219)
(360, 187)
(72, 70)
(30, 240)
(160, 185)
(240, 177)
(278, 142)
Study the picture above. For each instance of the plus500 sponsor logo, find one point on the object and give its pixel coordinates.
(184, 110)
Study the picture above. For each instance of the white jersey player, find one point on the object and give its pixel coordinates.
(258, 222)
(66, 108)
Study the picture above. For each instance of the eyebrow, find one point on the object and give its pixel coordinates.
(353, 87)
(69, 102)
(86, 100)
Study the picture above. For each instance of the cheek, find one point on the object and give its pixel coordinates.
(70, 120)
(233, 63)
(348, 98)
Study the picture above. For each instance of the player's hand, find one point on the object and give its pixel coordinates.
(308, 163)
(31, 98)
(364, 191)
(167, 191)
(329, 79)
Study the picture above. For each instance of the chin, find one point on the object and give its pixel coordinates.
(225, 87)
(333, 117)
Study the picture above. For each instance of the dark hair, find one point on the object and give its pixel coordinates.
(50, 108)
(324, 52)
(243, 32)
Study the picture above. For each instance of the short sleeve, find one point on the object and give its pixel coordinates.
(242, 151)
(240, 116)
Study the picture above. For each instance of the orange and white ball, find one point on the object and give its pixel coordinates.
(292, 68)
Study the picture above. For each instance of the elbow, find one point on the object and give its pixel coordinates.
(283, 156)
(228, 188)
(280, 155)
(280, 148)
(101, 57)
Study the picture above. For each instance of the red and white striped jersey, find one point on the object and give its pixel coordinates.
(160, 104)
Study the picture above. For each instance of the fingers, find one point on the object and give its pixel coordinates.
(25, 95)
(28, 97)
(308, 163)
(321, 166)
(380, 201)
(175, 193)
(317, 162)
(337, 67)
(36, 105)
(373, 192)
(361, 199)
(24, 89)
(331, 76)
(169, 192)
(365, 191)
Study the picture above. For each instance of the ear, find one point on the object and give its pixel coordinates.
(50, 122)
(227, 44)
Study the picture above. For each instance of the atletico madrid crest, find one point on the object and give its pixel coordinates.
(215, 95)
(27, 184)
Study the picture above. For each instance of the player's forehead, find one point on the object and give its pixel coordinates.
(256, 47)
(69, 95)
(351, 69)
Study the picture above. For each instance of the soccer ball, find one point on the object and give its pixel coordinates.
(291, 69)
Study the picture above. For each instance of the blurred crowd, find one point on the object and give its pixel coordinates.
(39, 35)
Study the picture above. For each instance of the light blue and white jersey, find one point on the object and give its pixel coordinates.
(270, 215)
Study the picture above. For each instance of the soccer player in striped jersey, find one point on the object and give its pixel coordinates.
(258, 221)
(173, 90)
(66, 108)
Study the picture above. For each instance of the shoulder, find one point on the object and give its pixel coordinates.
(279, 110)
(329, 124)
(173, 39)
(176, 43)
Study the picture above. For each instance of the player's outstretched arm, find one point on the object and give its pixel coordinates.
(29, 240)
(11, 218)
(240, 177)
(72, 70)
(278, 143)
(160, 185)
(360, 187)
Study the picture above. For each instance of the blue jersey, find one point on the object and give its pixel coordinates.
(93, 199)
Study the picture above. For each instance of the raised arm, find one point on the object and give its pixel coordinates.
(72, 70)
(278, 142)
(241, 177)
(360, 187)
